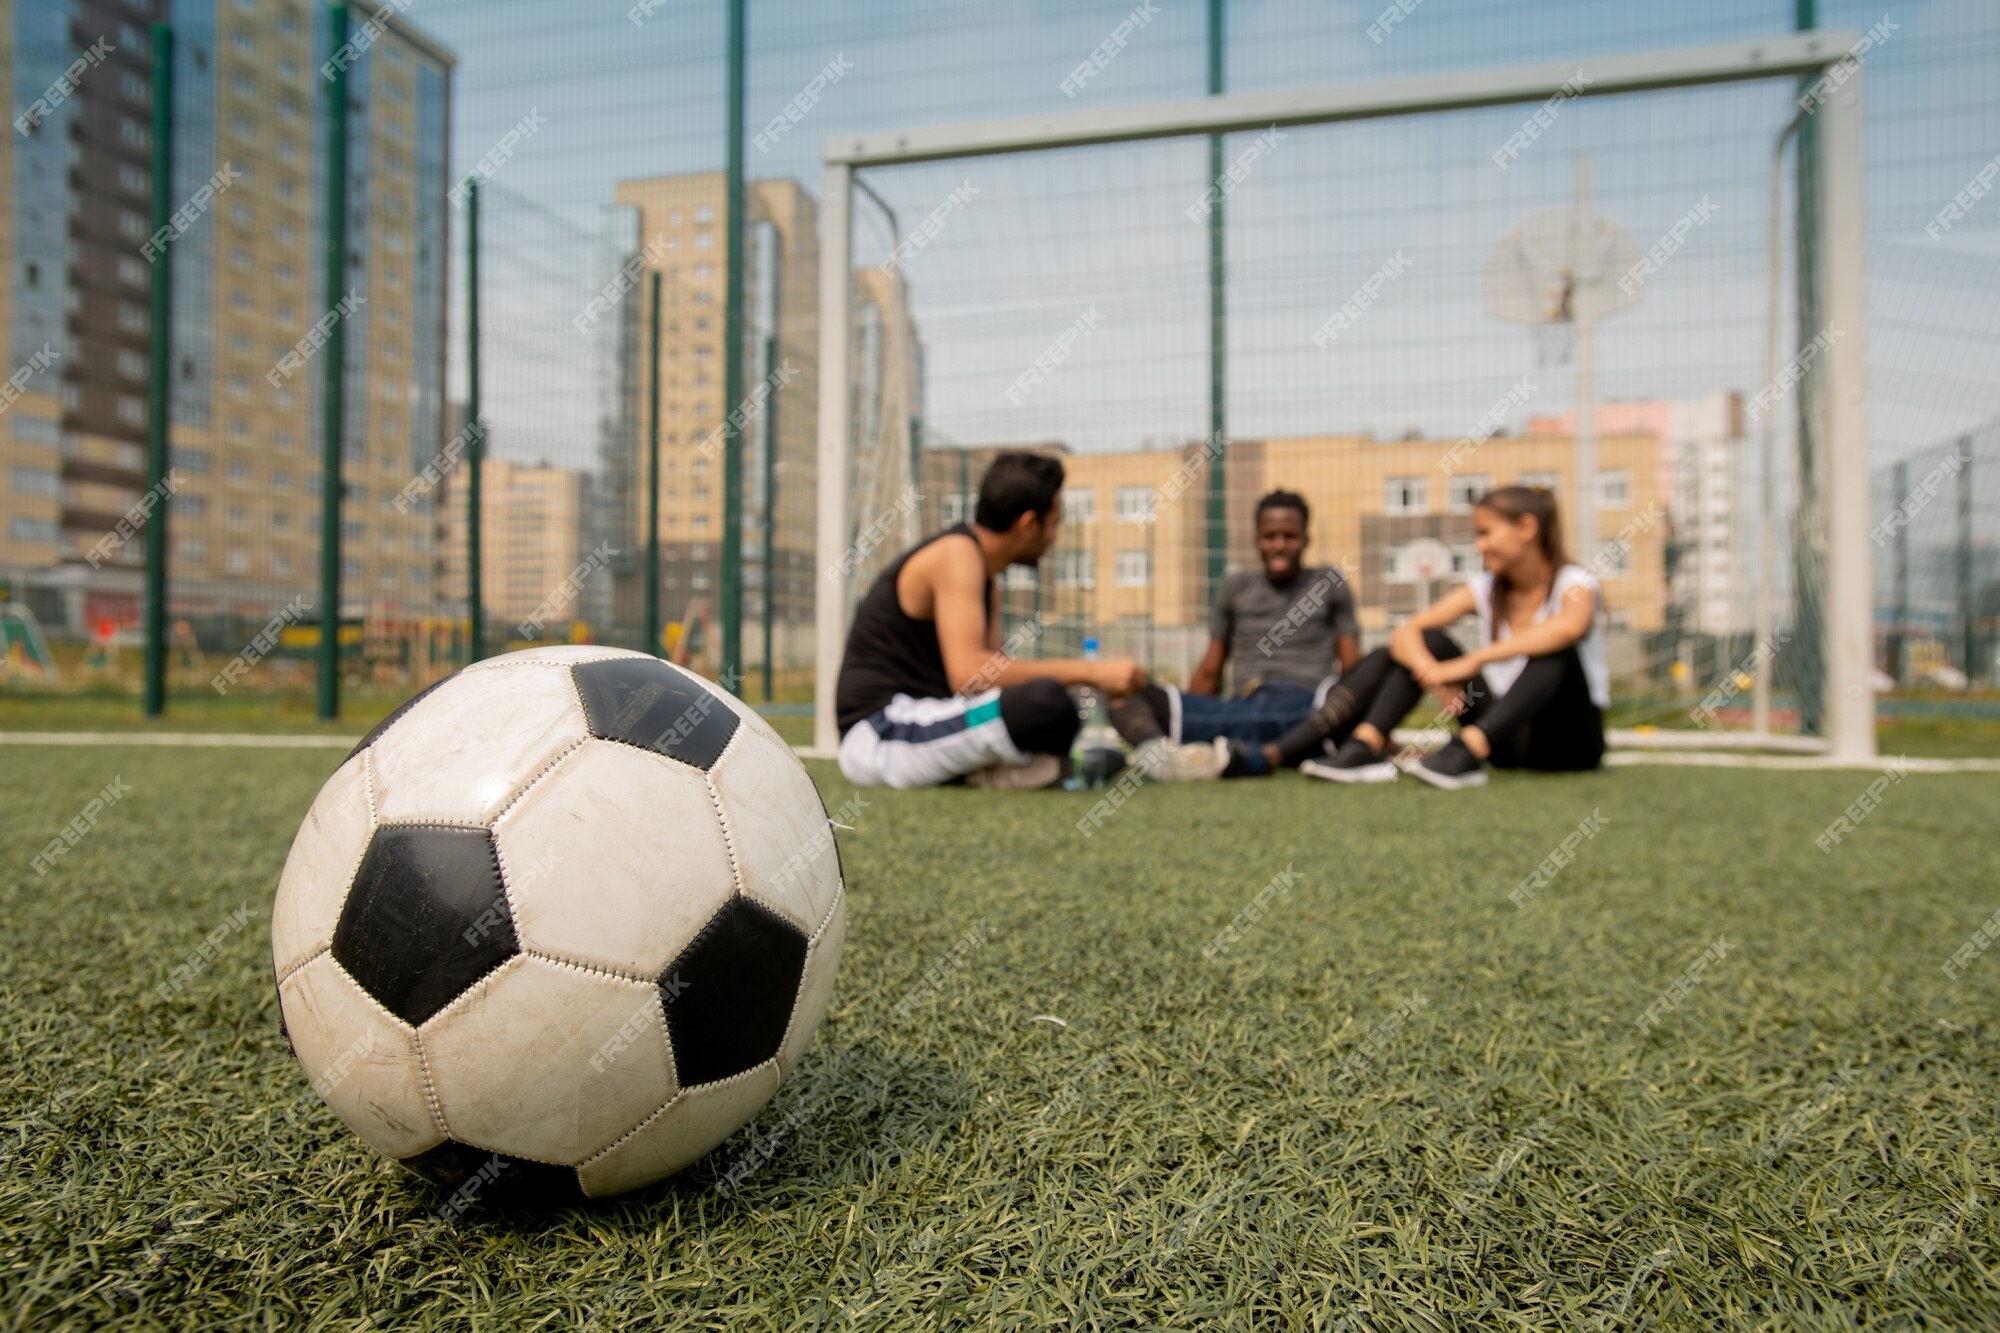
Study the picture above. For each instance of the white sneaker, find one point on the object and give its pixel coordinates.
(1196, 761)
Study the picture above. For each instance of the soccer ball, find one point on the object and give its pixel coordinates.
(571, 914)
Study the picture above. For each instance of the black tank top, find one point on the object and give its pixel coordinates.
(890, 652)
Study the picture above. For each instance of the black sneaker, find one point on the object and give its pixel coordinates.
(1353, 762)
(1453, 767)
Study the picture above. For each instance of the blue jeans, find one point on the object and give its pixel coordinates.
(1260, 717)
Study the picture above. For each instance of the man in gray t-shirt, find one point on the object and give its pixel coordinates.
(1288, 627)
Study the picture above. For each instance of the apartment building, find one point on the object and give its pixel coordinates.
(248, 289)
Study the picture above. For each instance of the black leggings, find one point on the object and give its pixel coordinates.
(1547, 721)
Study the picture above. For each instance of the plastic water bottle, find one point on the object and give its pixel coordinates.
(1093, 732)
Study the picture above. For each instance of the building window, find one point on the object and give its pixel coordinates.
(39, 530)
(131, 226)
(131, 411)
(132, 365)
(33, 480)
(132, 132)
(1465, 492)
(1465, 560)
(1614, 489)
(957, 507)
(704, 214)
(1547, 481)
(1074, 569)
(37, 430)
(1134, 569)
(280, 563)
(239, 516)
(190, 460)
(1135, 505)
(1406, 495)
(191, 548)
(239, 472)
(1079, 504)
(1614, 561)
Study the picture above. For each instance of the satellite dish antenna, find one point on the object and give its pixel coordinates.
(1558, 272)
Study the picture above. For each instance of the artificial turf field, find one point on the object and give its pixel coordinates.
(1394, 1100)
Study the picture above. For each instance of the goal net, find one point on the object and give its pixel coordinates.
(1388, 300)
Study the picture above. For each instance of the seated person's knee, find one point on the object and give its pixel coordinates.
(1040, 716)
(1440, 644)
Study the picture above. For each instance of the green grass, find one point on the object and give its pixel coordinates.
(1237, 1142)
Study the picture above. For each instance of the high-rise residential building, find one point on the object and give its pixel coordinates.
(246, 251)
(678, 228)
(534, 564)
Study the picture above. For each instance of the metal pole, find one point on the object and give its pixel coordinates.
(1218, 347)
(1842, 389)
(1968, 595)
(333, 368)
(1898, 648)
(1809, 628)
(652, 581)
(158, 368)
(836, 391)
(1585, 314)
(732, 370)
(770, 498)
(1767, 445)
(475, 528)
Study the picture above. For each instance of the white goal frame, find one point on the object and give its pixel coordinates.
(1849, 713)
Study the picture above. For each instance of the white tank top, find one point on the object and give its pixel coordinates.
(1502, 674)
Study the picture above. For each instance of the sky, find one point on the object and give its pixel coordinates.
(1102, 234)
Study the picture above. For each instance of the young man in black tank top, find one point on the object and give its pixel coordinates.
(925, 695)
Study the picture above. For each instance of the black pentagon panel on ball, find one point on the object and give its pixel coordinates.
(426, 918)
(729, 995)
(642, 701)
(475, 1175)
(375, 733)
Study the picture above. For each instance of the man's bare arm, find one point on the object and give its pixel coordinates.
(1207, 677)
(958, 599)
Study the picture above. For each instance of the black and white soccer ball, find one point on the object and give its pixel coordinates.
(570, 913)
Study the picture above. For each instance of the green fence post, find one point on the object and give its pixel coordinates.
(732, 369)
(770, 507)
(1218, 332)
(333, 368)
(1898, 648)
(159, 364)
(1968, 591)
(653, 471)
(1808, 663)
(475, 453)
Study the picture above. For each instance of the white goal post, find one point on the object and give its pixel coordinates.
(1843, 508)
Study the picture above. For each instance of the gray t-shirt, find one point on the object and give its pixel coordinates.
(1283, 633)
